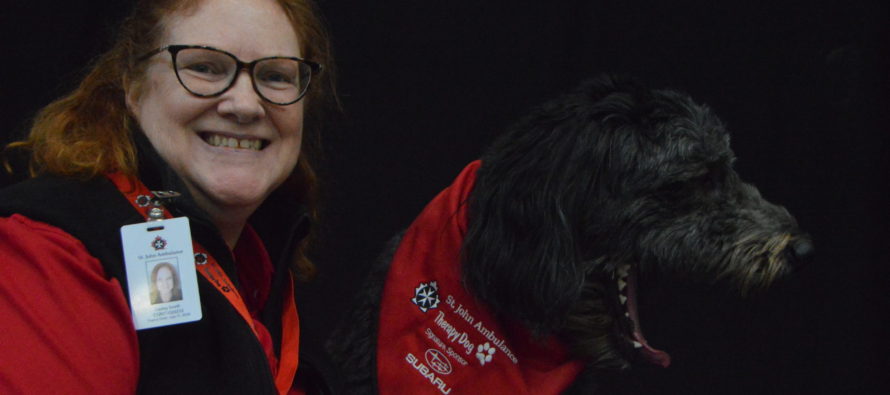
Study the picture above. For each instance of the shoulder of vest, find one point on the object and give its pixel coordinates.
(62, 197)
(91, 211)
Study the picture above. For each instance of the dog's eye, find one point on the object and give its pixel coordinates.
(714, 177)
(707, 181)
(673, 188)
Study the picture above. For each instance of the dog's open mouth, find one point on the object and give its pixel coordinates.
(627, 295)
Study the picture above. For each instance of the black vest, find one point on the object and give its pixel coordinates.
(218, 354)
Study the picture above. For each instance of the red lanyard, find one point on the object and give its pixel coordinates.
(141, 198)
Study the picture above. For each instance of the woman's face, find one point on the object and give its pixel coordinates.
(164, 282)
(181, 126)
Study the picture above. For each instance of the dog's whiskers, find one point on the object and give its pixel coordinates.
(755, 262)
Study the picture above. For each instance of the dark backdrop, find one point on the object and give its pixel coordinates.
(426, 85)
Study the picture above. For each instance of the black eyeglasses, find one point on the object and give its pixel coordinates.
(209, 72)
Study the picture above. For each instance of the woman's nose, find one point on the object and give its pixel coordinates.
(241, 103)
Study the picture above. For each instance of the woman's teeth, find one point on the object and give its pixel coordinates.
(231, 142)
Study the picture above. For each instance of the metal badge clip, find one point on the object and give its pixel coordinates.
(161, 196)
(156, 213)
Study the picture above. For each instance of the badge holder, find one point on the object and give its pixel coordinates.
(160, 265)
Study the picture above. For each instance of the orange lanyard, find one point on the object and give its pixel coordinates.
(141, 198)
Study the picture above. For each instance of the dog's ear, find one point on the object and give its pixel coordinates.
(533, 226)
(529, 213)
(519, 254)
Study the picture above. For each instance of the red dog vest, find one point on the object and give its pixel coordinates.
(435, 338)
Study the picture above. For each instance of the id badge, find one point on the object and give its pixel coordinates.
(161, 273)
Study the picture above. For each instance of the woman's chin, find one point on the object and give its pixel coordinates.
(233, 194)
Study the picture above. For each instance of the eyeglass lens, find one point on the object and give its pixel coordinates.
(207, 72)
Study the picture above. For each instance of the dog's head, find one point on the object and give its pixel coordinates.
(607, 181)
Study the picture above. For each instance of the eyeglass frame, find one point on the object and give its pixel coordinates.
(173, 49)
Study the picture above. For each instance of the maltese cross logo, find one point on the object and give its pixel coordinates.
(158, 243)
(426, 296)
(484, 352)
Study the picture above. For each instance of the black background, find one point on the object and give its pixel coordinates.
(426, 85)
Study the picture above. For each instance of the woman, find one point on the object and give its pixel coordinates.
(165, 286)
(209, 99)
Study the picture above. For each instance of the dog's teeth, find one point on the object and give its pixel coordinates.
(637, 344)
(622, 298)
(623, 270)
(621, 285)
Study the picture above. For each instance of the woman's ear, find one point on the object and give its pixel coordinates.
(132, 93)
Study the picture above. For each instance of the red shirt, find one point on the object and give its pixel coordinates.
(66, 326)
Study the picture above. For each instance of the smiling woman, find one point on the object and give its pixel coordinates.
(216, 101)
(228, 182)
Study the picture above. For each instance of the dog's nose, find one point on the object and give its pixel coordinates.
(801, 252)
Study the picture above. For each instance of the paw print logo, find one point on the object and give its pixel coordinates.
(426, 296)
(484, 352)
(159, 243)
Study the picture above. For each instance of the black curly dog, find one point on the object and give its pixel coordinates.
(605, 183)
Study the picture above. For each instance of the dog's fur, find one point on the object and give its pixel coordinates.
(609, 175)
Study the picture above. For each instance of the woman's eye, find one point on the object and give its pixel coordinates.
(204, 68)
(276, 77)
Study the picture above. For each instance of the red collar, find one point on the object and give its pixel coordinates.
(434, 337)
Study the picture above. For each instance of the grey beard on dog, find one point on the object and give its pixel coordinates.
(586, 193)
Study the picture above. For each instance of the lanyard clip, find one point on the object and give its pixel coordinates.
(161, 197)
(156, 213)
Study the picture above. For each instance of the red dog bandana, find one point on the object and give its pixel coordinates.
(435, 338)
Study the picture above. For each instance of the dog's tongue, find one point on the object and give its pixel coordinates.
(652, 355)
